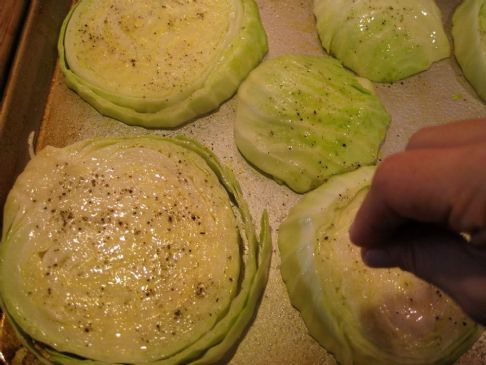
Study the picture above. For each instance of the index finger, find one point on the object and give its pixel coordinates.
(416, 185)
(453, 134)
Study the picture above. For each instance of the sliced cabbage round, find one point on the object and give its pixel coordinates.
(382, 40)
(159, 64)
(302, 119)
(363, 316)
(469, 34)
(130, 250)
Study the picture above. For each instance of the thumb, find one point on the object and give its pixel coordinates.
(442, 258)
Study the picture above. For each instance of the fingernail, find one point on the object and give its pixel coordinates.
(377, 258)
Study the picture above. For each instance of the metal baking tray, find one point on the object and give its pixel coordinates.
(36, 99)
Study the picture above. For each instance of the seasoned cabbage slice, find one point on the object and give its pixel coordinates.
(363, 316)
(159, 64)
(469, 34)
(130, 250)
(302, 119)
(382, 40)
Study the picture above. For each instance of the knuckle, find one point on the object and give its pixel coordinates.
(468, 212)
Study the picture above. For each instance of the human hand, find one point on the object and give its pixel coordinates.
(420, 203)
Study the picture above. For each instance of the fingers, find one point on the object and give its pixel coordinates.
(419, 203)
(441, 257)
(414, 185)
(439, 186)
(376, 220)
(450, 135)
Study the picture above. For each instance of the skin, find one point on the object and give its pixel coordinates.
(420, 204)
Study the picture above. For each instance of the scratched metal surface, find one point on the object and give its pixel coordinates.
(278, 335)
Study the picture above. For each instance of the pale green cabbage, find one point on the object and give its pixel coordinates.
(469, 33)
(363, 316)
(302, 119)
(382, 40)
(156, 64)
(109, 255)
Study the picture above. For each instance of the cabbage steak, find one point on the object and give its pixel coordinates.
(382, 40)
(363, 316)
(302, 119)
(159, 64)
(130, 250)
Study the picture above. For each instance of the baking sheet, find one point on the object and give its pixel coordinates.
(278, 335)
(11, 16)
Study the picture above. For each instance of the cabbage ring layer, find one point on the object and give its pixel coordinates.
(159, 64)
(130, 250)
